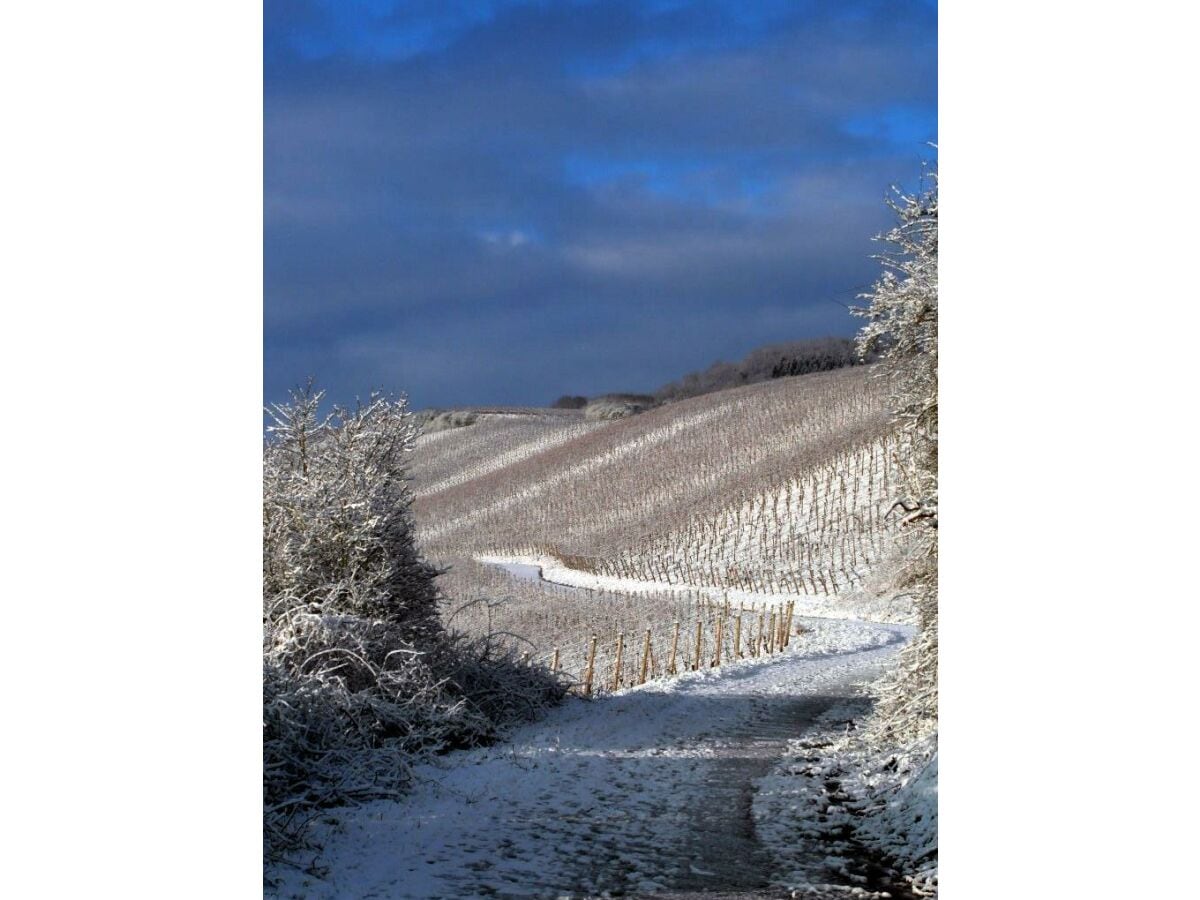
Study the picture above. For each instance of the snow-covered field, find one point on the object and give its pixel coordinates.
(648, 791)
(836, 804)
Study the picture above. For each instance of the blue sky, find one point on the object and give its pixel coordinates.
(502, 202)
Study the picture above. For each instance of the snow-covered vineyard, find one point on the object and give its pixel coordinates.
(691, 651)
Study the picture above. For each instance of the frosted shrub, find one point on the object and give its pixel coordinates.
(337, 531)
(902, 328)
(453, 418)
(359, 674)
(616, 406)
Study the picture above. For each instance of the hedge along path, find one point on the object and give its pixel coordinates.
(594, 667)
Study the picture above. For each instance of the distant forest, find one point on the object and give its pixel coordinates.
(763, 364)
(772, 361)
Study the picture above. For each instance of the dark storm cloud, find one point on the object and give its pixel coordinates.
(501, 202)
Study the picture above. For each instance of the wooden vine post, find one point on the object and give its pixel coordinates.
(645, 657)
(699, 638)
(674, 646)
(737, 637)
(762, 616)
(616, 683)
(554, 662)
(771, 634)
(719, 627)
(591, 668)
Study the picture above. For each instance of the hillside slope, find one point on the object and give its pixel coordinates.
(776, 488)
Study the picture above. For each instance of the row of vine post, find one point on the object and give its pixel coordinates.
(720, 634)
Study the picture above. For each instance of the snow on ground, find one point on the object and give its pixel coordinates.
(646, 791)
(907, 827)
(895, 792)
(862, 804)
(871, 606)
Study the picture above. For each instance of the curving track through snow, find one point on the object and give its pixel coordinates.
(645, 792)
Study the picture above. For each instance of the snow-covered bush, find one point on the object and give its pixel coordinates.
(337, 530)
(451, 418)
(902, 328)
(359, 673)
(617, 406)
(888, 773)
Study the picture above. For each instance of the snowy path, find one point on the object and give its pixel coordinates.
(644, 792)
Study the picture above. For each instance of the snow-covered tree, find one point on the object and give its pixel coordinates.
(902, 330)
